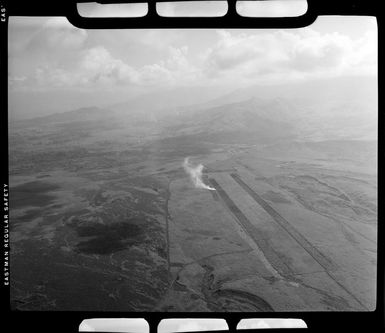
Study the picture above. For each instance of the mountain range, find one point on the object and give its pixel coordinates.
(324, 109)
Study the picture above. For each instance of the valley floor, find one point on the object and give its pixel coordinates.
(275, 235)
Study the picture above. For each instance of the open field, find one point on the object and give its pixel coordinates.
(287, 255)
(105, 214)
(273, 236)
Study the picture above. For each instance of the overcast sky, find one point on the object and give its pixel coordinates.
(49, 57)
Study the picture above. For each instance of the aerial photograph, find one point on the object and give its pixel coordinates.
(193, 170)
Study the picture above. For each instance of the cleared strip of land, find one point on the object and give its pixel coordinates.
(284, 247)
(251, 231)
(325, 262)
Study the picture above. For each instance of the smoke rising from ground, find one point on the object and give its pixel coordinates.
(195, 173)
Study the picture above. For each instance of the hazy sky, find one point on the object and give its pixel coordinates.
(54, 66)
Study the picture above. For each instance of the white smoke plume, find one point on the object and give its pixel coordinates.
(195, 173)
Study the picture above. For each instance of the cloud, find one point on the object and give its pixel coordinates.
(14, 80)
(245, 54)
(97, 67)
(159, 39)
(54, 77)
(57, 34)
(232, 52)
(57, 55)
(303, 52)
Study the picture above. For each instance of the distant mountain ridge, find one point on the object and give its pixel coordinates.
(341, 108)
(236, 122)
